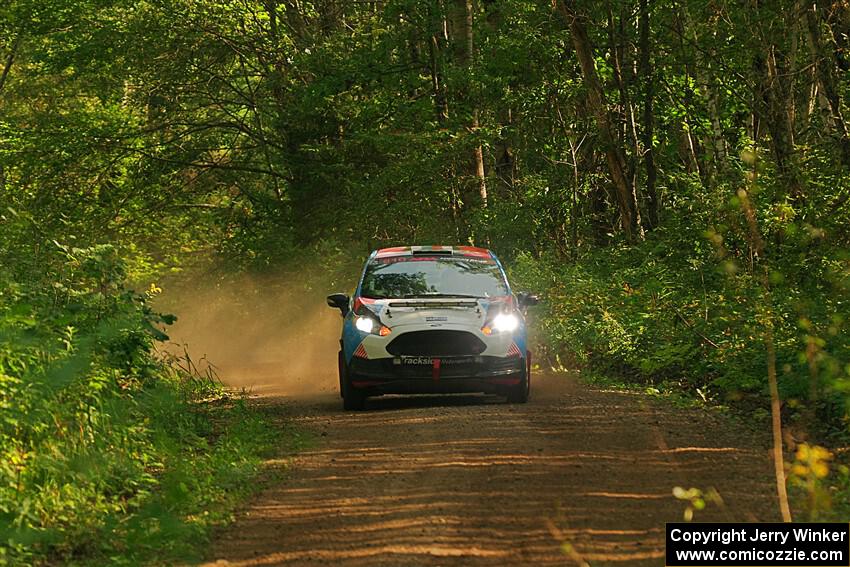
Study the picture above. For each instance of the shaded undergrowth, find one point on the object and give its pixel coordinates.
(110, 453)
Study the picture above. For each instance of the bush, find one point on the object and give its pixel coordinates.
(106, 451)
(671, 310)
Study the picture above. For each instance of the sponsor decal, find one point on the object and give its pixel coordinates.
(427, 318)
(431, 304)
(429, 360)
(465, 257)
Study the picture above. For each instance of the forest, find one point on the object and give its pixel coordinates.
(670, 177)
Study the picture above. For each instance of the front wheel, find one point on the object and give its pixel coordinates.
(341, 372)
(352, 398)
(519, 394)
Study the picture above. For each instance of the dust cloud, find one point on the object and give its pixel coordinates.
(266, 334)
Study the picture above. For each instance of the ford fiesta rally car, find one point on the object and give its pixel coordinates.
(433, 319)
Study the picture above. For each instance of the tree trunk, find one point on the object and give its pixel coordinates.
(435, 58)
(574, 203)
(599, 108)
(503, 151)
(437, 86)
(506, 165)
(648, 116)
(7, 67)
(618, 41)
(703, 77)
(465, 22)
(477, 152)
(776, 114)
(296, 21)
(689, 144)
(774, 99)
(10, 59)
(825, 80)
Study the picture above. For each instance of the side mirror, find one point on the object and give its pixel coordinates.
(527, 299)
(339, 301)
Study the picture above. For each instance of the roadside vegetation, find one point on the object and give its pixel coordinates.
(672, 178)
(108, 453)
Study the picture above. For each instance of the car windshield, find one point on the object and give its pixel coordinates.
(427, 276)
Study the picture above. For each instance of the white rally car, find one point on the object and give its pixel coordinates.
(433, 319)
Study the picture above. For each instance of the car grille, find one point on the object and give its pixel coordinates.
(436, 343)
(460, 367)
(464, 369)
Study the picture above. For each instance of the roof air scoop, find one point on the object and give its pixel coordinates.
(432, 252)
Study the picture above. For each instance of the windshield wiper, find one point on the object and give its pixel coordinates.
(430, 295)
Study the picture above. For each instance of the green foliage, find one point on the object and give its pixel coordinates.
(107, 453)
(296, 136)
(673, 310)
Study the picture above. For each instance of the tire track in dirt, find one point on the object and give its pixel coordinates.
(469, 480)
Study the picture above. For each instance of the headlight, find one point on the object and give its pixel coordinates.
(505, 322)
(365, 324)
(371, 326)
(502, 323)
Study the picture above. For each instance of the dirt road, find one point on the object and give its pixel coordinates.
(578, 474)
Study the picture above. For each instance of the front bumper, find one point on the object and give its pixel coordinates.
(403, 375)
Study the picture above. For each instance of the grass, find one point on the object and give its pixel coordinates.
(202, 455)
(212, 457)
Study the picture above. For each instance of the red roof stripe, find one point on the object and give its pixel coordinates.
(477, 254)
(395, 251)
(471, 251)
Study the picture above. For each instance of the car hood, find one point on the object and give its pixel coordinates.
(437, 312)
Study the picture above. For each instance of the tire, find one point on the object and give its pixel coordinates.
(519, 394)
(352, 398)
(341, 371)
